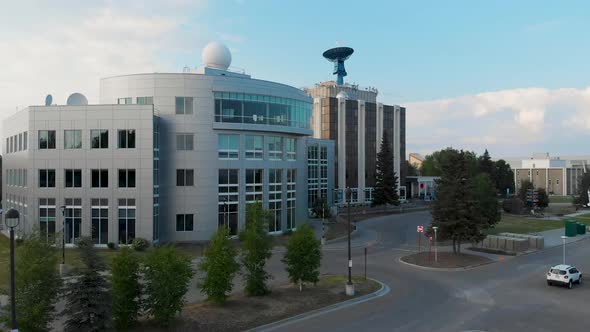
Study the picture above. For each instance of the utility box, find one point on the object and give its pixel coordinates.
(571, 228)
(581, 228)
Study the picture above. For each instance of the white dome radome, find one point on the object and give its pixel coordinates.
(77, 99)
(216, 55)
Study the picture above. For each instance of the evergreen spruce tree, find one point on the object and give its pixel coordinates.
(385, 177)
(455, 210)
(583, 188)
(219, 266)
(303, 257)
(485, 164)
(88, 301)
(256, 250)
(486, 198)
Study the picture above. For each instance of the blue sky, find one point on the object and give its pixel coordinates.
(510, 76)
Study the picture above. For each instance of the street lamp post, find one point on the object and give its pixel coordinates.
(323, 227)
(349, 284)
(12, 219)
(563, 238)
(63, 238)
(435, 245)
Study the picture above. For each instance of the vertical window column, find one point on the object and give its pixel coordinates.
(100, 220)
(228, 203)
(73, 219)
(47, 219)
(291, 198)
(275, 198)
(126, 215)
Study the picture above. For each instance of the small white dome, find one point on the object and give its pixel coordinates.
(216, 55)
(342, 94)
(77, 99)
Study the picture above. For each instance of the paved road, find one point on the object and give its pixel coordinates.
(510, 295)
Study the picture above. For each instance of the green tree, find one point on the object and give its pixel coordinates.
(583, 188)
(219, 266)
(125, 287)
(256, 250)
(485, 164)
(167, 274)
(385, 177)
(412, 169)
(525, 185)
(485, 196)
(88, 301)
(543, 198)
(303, 257)
(37, 284)
(456, 211)
(503, 177)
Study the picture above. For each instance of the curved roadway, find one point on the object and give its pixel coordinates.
(509, 295)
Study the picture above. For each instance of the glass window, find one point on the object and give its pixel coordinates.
(126, 216)
(228, 204)
(99, 139)
(47, 178)
(290, 144)
(25, 138)
(184, 223)
(275, 147)
(47, 219)
(231, 111)
(123, 101)
(126, 178)
(255, 112)
(46, 139)
(291, 198)
(73, 178)
(72, 139)
(126, 139)
(145, 100)
(100, 220)
(254, 147)
(184, 142)
(254, 185)
(185, 177)
(275, 189)
(100, 178)
(184, 105)
(228, 146)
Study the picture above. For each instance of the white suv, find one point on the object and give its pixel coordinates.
(564, 275)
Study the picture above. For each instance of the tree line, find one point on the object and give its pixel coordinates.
(101, 296)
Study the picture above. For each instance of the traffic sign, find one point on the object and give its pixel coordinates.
(420, 229)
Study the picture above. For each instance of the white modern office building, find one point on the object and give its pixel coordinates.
(167, 156)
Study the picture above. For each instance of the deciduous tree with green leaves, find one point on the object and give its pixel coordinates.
(256, 250)
(583, 188)
(167, 274)
(485, 196)
(126, 289)
(385, 177)
(303, 257)
(88, 300)
(219, 267)
(37, 284)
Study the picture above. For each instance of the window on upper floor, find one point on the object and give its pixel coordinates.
(145, 100)
(99, 139)
(291, 148)
(72, 139)
(46, 178)
(275, 147)
(126, 100)
(100, 178)
(184, 223)
(46, 139)
(184, 142)
(184, 105)
(228, 146)
(185, 177)
(126, 139)
(126, 178)
(254, 147)
(73, 178)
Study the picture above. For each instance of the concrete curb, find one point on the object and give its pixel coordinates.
(446, 269)
(321, 311)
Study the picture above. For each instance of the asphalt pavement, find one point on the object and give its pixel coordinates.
(508, 295)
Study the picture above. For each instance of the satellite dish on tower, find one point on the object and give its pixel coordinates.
(338, 55)
(48, 100)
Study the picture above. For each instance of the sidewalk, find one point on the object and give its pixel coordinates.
(579, 213)
(553, 237)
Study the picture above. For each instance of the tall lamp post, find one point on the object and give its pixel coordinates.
(563, 238)
(12, 219)
(435, 245)
(63, 238)
(349, 284)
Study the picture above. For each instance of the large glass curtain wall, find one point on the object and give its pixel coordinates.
(258, 109)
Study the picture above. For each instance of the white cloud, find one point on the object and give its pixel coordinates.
(65, 46)
(517, 121)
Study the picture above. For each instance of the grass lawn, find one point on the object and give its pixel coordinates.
(587, 216)
(585, 221)
(524, 225)
(560, 199)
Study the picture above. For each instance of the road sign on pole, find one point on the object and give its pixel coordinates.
(420, 229)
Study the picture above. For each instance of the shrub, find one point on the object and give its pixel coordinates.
(19, 240)
(320, 208)
(126, 289)
(84, 242)
(37, 284)
(303, 257)
(140, 244)
(167, 274)
(111, 245)
(220, 266)
(513, 205)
